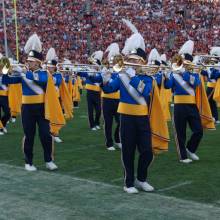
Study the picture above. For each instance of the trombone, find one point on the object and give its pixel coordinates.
(78, 68)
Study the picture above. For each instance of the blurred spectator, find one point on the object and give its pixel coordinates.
(67, 26)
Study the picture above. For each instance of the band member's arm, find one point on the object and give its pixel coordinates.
(111, 86)
(215, 74)
(39, 77)
(169, 81)
(143, 87)
(57, 80)
(6, 79)
(158, 78)
(192, 78)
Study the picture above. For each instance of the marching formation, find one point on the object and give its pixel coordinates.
(124, 87)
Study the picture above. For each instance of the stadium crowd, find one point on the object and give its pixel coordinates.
(69, 25)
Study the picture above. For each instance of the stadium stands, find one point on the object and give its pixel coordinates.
(65, 24)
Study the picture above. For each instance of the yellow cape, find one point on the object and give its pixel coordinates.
(53, 110)
(158, 122)
(204, 107)
(15, 99)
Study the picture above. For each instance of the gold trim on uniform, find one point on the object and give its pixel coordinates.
(113, 95)
(33, 99)
(211, 84)
(132, 109)
(3, 92)
(184, 99)
(93, 87)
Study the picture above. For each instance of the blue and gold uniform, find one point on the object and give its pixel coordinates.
(134, 123)
(93, 101)
(212, 76)
(57, 78)
(183, 84)
(33, 112)
(110, 103)
(4, 104)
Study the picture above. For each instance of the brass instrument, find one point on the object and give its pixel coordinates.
(5, 65)
(78, 68)
(119, 64)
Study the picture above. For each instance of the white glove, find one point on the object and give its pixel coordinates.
(106, 76)
(130, 72)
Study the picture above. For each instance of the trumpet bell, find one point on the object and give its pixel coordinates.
(5, 65)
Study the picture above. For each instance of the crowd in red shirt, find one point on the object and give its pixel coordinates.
(75, 28)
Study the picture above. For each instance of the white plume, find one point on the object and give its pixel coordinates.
(97, 55)
(51, 55)
(33, 43)
(215, 51)
(134, 42)
(163, 58)
(153, 56)
(112, 50)
(130, 25)
(187, 47)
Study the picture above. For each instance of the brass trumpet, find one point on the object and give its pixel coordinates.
(5, 65)
(78, 68)
(119, 64)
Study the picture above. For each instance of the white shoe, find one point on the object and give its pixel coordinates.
(2, 132)
(119, 145)
(193, 156)
(144, 186)
(94, 129)
(217, 122)
(186, 161)
(97, 127)
(30, 168)
(5, 130)
(13, 120)
(57, 139)
(110, 148)
(130, 190)
(51, 166)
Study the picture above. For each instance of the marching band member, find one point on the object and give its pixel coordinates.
(15, 93)
(93, 95)
(38, 107)
(110, 101)
(4, 104)
(135, 129)
(183, 83)
(77, 85)
(51, 62)
(215, 51)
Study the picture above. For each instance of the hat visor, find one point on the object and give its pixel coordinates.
(187, 62)
(51, 65)
(135, 56)
(33, 59)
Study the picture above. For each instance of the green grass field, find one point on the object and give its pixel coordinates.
(88, 184)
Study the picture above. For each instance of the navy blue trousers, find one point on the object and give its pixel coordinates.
(183, 114)
(94, 104)
(212, 103)
(4, 108)
(32, 115)
(109, 108)
(135, 133)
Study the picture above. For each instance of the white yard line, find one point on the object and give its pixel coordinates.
(117, 180)
(175, 186)
(39, 185)
(84, 170)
